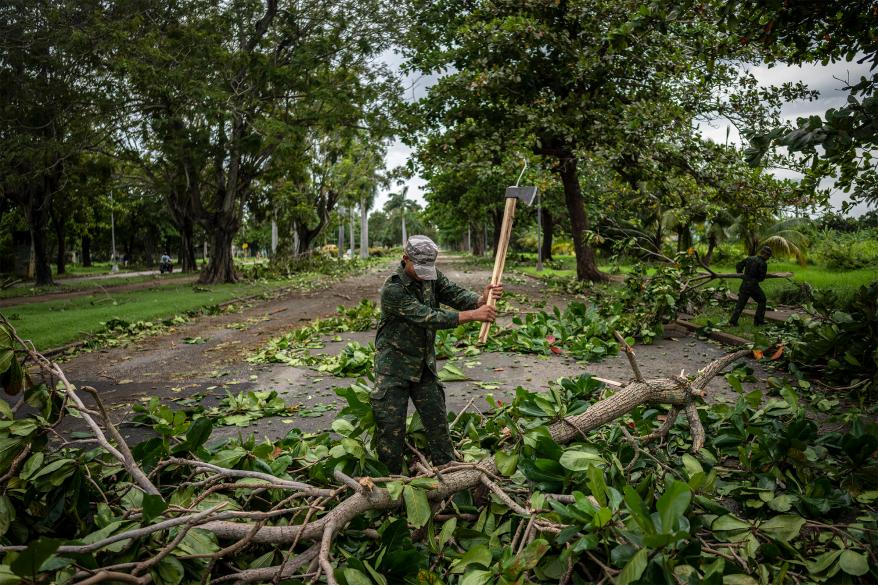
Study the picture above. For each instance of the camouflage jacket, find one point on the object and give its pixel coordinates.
(410, 317)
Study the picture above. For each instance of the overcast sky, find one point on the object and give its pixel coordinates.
(828, 80)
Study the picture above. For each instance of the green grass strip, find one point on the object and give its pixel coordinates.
(54, 323)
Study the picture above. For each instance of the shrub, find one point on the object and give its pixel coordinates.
(726, 253)
(847, 251)
(838, 339)
(563, 248)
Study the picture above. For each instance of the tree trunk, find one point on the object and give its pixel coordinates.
(547, 228)
(86, 251)
(187, 246)
(478, 243)
(353, 240)
(221, 267)
(684, 238)
(38, 222)
(752, 246)
(60, 235)
(497, 216)
(586, 265)
(711, 245)
(340, 236)
(364, 230)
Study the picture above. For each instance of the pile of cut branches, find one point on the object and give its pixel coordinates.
(584, 483)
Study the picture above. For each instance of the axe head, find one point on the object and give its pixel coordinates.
(524, 194)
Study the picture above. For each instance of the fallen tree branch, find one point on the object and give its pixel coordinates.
(674, 391)
(122, 453)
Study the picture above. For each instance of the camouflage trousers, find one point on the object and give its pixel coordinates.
(390, 401)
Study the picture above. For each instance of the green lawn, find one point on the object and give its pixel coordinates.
(844, 283)
(73, 284)
(55, 323)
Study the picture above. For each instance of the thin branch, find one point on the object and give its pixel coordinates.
(629, 353)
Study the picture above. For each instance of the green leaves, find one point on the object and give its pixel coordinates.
(580, 459)
(634, 568)
(12, 376)
(853, 563)
(7, 514)
(451, 373)
(673, 504)
(784, 528)
(153, 506)
(417, 506)
(478, 555)
(506, 462)
(31, 559)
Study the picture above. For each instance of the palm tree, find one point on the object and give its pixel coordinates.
(783, 236)
(717, 231)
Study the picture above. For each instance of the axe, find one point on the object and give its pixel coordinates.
(513, 194)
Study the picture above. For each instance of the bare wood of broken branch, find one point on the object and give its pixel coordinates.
(306, 489)
(348, 481)
(460, 477)
(287, 570)
(629, 353)
(127, 457)
(504, 497)
(696, 429)
(122, 454)
(663, 430)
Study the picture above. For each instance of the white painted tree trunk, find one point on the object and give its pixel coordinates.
(364, 230)
(353, 239)
(273, 236)
(340, 238)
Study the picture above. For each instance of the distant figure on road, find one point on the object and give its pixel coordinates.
(165, 264)
(754, 269)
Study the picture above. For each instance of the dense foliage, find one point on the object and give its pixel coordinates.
(769, 498)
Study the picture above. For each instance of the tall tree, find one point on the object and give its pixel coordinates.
(571, 81)
(51, 105)
(841, 143)
(247, 77)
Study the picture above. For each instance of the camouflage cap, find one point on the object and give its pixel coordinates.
(766, 251)
(422, 252)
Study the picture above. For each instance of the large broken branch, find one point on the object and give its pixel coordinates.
(679, 392)
(316, 533)
(120, 451)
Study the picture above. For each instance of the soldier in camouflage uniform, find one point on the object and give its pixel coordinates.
(405, 360)
(754, 269)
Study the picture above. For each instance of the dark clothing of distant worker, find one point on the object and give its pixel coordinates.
(754, 269)
(405, 362)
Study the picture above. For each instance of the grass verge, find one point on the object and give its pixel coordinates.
(54, 323)
(74, 284)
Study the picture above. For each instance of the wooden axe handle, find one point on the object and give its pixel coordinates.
(500, 259)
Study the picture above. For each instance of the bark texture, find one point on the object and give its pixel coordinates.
(586, 263)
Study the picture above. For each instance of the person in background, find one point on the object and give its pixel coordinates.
(405, 358)
(754, 269)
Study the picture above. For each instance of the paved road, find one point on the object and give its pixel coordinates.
(169, 368)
